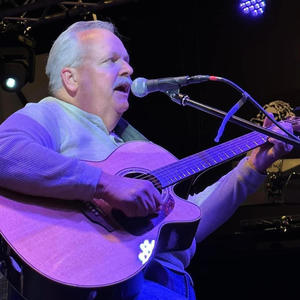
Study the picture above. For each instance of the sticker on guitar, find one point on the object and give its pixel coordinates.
(147, 249)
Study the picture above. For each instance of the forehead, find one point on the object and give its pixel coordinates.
(101, 42)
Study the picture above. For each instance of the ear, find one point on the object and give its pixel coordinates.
(69, 79)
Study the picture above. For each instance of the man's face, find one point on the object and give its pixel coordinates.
(104, 74)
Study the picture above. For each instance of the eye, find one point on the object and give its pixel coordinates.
(114, 58)
(109, 60)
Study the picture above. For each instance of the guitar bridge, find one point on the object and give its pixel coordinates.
(97, 215)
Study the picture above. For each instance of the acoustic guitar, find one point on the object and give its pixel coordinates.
(91, 245)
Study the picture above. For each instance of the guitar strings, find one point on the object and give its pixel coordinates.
(194, 160)
(199, 160)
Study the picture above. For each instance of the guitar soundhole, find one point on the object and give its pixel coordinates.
(140, 225)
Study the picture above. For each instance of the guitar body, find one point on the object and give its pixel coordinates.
(91, 248)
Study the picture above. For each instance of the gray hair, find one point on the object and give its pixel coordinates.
(67, 52)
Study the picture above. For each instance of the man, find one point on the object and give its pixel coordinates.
(43, 148)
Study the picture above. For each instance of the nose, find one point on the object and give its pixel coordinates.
(126, 69)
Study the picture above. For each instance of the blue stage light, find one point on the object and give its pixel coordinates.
(252, 8)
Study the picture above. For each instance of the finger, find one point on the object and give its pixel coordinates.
(145, 204)
(149, 204)
(280, 145)
(158, 200)
(144, 209)
(154, 195)
(267, 121)
(286, 126)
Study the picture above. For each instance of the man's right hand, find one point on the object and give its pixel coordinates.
(134, 197)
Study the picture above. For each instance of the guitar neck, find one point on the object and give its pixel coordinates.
(196, 163)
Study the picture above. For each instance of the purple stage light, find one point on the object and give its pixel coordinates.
(252, 8)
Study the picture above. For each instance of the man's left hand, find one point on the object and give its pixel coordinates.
(264, 156)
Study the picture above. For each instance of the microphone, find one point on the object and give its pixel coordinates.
(141, 86)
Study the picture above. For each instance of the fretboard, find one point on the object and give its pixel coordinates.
(196, 163)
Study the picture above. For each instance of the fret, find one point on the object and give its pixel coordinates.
(233, 152)
(174, 178)
(229, 155)
(190, 171)
(238, 150)
(226, 155)
(193, 171)
(184, 175)
(197, 165)
(251, 144)
(243, 148)
(220, 157)
(208, 163)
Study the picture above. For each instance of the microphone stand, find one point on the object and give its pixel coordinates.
(184, 100)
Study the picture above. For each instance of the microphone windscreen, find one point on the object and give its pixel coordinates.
(139, 87)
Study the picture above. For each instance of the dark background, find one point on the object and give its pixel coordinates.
(173, 38)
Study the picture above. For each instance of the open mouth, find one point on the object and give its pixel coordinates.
(124, 88)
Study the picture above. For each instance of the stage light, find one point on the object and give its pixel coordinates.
(14, 75)
(17, 57)
(10, 83)
(253, 8)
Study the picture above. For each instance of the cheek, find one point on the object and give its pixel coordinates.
(99, 80)
(104, 80)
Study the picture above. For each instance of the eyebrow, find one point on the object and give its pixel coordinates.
(126, 56)
(115, 54)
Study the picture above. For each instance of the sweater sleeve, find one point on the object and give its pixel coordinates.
(219, 201)
(30, 163)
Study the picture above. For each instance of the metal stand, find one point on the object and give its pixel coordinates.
(184, 100)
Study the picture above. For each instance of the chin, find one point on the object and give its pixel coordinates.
(120, 103)
(123, 109)
(123, 106)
